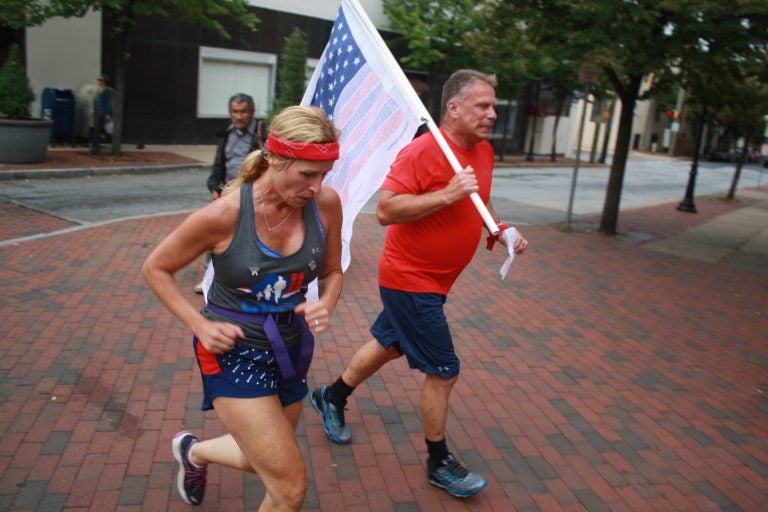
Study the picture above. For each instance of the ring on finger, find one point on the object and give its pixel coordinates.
(317, 322)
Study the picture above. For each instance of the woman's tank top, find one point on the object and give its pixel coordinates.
(249, 277)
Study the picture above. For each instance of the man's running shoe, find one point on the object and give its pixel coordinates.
(450, 475)
(333, 417)
(191, 478)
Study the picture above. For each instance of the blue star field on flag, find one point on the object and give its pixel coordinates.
(342, 59)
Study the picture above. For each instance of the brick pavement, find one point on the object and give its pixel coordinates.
(18, 221)
(599, 376)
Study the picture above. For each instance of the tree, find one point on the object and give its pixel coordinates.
(747, 117)
(629, 40)
(291, 72)
(624, 39)
(722, 63)
(442, 36)
(16, 94)
(500, 44)
(18, 14)
(436, 32)
(560, 78)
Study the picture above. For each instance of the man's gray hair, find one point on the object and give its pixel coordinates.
(241, 97)
(458, 82)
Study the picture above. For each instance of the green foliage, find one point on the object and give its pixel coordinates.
(16, 94)
(501, 45)
(207, 12)
(723, 63)
(19, 14)
(437, 33)
(699, 44)
(291, 72)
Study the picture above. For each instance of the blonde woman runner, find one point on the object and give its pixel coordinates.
(274, 230)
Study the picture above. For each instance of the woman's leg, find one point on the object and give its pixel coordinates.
(261, 440)
(225, 451)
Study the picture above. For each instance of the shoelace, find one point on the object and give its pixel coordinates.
(456, 469)
(195, 478)
(338, 410)
(339, 413)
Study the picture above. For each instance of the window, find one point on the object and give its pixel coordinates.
(310, 68)
(506, 112)
(224, 72)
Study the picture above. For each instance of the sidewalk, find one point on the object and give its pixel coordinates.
(72, 162)
(606, 373)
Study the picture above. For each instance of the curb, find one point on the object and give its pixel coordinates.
(33, 174)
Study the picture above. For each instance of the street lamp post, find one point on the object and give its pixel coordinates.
(608, 118)
(687, 204)
(578, 158)
(589, 76)
(677, 121)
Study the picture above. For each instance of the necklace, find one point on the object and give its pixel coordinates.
(264, 212)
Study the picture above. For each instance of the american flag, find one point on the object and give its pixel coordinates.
(354, 87)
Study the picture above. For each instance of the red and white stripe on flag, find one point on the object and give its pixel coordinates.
(353, 84)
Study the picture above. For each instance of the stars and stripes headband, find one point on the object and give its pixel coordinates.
(302, 150)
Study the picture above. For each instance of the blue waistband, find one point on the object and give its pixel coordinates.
(269, 322)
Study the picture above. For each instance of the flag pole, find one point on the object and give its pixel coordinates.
(413, 100)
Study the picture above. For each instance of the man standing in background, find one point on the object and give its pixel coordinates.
(237, 140)
(102, 112)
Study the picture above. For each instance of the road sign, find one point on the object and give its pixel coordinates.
(589, 74)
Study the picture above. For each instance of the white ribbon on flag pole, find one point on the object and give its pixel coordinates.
(415, 104)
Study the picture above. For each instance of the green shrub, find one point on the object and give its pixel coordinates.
(16, 94)
(291, 73)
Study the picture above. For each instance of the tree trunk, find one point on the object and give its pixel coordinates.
(535, 111)
(504, 134)
(118, 106)
(559, 107)
(628, 96)
(737, 174)
(529, 156)
(122, 21)
(708, 138)
(553, 150)
(595, 139)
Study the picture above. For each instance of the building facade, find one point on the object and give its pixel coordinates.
(180, 75)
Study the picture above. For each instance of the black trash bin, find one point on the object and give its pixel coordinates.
(59, 106)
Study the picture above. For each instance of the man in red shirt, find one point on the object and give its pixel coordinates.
(433, 232)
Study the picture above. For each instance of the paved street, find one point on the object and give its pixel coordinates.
(97, 199)
(605, 373)
(521, 195)
(540, 195)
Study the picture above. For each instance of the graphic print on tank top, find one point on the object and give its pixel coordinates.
(274, 293)
(253, 278)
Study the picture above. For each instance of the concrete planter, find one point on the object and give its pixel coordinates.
(24, 141)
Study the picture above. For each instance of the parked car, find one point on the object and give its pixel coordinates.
(734, 154)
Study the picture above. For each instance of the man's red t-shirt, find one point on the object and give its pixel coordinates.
(428, 254)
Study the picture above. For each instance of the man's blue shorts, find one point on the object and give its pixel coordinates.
(415, 325)
(246, 372)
